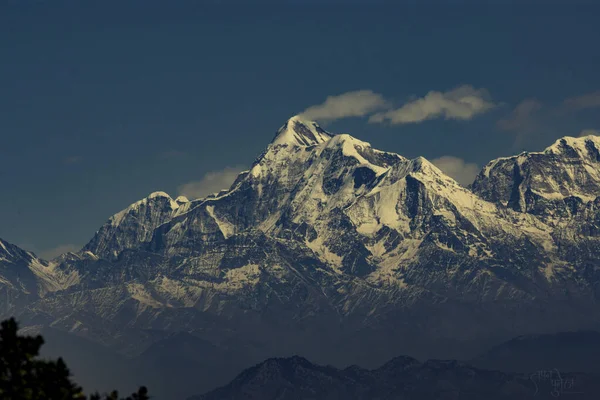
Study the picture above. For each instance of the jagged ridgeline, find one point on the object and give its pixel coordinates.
(337, 251)
(399, 379)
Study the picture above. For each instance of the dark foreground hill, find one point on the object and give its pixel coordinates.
(565, 351)
(402, 378)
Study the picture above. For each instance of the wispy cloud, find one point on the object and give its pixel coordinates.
(589, 132)
(54, 252)
(522, 117)
(211, 182)
(457, 168)
(350, 104)
(586, 101)
(461, 103)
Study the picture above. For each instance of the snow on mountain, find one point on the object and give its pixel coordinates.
(550, 183)
(297, 131)
(15, 274)
(317, 185)
(22, 275)
(133, 225)
(362, 212)
(326, 238)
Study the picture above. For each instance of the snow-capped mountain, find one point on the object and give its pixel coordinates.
(329, 248)
(24, 276)
(17, 273)
(557, 182)
(133, 225)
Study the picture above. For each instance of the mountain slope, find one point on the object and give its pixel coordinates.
(326, 244)
(24, 276)
(133, 225)
(400, 378)
(553, 183)
(565, 351)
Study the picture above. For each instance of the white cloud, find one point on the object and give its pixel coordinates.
(522, 118)
(589, 100)
(462, 172)
(350, 104)
(211, 182)
(461, 103)
(54, 252)
(588, 132)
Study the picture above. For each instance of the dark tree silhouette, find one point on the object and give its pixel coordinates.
(142, 394)
(25, 377)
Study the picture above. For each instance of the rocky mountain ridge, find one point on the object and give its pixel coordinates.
(326, 244)
(400, 378)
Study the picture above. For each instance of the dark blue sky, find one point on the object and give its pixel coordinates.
(102, 103)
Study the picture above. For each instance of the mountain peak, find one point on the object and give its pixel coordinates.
(153, 198)
(158, 194)
(139, 221)
(181, 200)
(576, 146)
(5, 249)
(9, 251)
(300, 132)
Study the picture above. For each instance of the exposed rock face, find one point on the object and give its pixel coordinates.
(132, 226)
(329, 248)
(25, 278)
(554, 184)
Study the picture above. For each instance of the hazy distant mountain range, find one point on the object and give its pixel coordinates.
(402, 378)
(334, 250)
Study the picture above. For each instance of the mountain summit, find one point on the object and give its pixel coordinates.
(300, 132)
(550, 184)
(332, 249)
